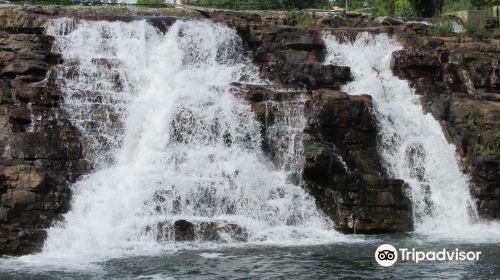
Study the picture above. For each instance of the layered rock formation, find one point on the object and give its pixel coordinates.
(40, 149)
(343, 168)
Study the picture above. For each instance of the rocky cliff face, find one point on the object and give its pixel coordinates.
(41, 152)
(459, 80)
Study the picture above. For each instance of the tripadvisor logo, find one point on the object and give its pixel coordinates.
(387, 255)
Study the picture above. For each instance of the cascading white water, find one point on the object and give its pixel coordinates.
(412, 143)
(286, 133)
(181, 146)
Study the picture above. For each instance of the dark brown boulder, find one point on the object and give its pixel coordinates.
(184, 230)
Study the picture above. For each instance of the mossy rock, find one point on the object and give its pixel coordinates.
(316, 150)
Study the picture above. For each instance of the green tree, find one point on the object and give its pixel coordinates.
(479, 4)
(404, 8)
(382, 7)
(423, 8)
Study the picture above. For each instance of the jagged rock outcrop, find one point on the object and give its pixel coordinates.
(459, 80)
(343, 168)
(294, 56)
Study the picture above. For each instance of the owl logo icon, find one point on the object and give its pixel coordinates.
(386, 255)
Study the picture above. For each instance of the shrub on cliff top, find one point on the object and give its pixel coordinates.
(442, 27)
(300, 19)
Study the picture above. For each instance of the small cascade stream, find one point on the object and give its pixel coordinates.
(411, 142)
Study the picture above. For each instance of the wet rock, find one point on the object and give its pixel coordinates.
(412, 65)
(293, 56)
(315, 76)
(213, 231)
(184, 230)
(208, 231)
(343, 170)
(328, 94)
(233, 232)
(388, 21)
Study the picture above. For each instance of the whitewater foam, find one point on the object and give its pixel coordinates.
(171, 143)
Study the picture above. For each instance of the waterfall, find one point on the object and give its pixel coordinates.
(169, 141)
(411, 143)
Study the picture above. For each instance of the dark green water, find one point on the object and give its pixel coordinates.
(329, 261)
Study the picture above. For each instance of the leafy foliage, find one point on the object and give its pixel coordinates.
(475, 28)
(479, 4)
(404, 8)
(451, 6)
(62, 2)
(460, 5)
(382, 7)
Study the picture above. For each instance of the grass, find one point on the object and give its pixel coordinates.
(443, 27)
(475, 28)
(474, 121)
(452, 6)
(488, 150)
(295, 18)
(482, 63)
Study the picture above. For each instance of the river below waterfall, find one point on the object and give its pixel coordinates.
(328, 261)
